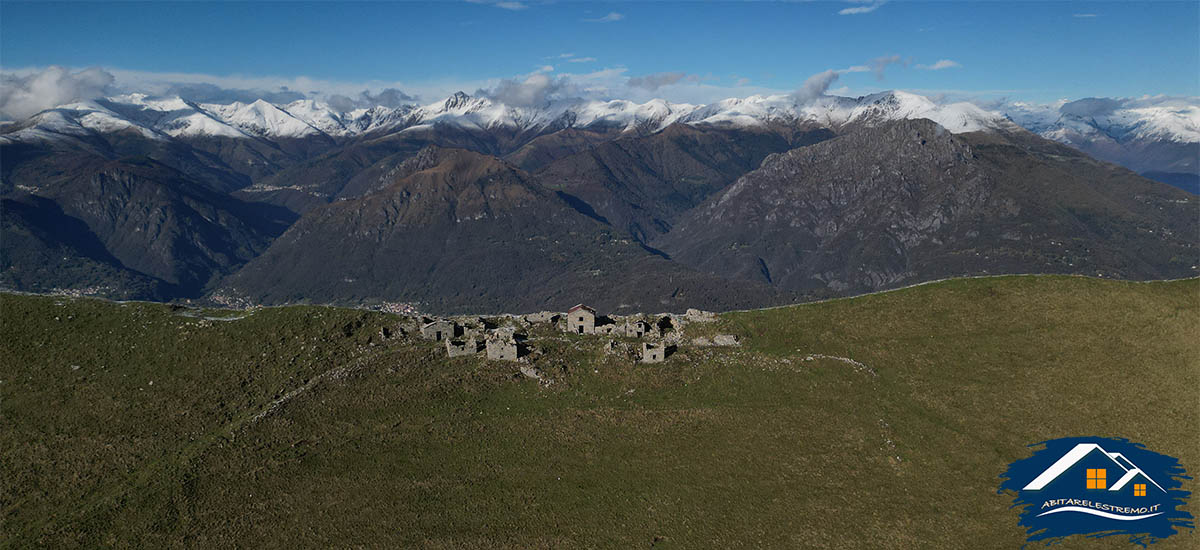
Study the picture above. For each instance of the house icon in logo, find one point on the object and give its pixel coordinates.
(1088, 466)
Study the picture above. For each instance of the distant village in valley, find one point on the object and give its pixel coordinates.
(654, 337)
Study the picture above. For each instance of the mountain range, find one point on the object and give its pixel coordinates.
(1157, 137)
(470, 204)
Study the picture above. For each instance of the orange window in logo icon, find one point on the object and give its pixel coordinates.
(1139, 489)
(1097, 478)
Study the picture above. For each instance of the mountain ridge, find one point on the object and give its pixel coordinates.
(613, 208)
(1159, 139)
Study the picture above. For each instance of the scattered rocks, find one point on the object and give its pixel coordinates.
(726, 340)
(543, 317)
(857, 365)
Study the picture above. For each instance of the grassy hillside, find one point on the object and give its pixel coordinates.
(134, 425)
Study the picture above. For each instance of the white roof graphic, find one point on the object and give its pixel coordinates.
(1076, 454)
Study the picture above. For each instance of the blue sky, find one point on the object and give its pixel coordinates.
(1037, 51)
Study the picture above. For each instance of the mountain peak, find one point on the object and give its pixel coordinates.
(456, 101)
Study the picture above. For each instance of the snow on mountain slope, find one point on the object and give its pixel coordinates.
(955, 117)
(1177, 121)
(750, 111)
(174, 117)
(261, 119)
(94, 116)
(1155, 136)
(626, 115)
(1170, 120)
(318, 115)
(74, 120)
(837, 111)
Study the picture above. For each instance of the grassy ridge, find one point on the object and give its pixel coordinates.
(387, 443)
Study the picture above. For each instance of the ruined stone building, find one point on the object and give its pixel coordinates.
(664, 325)
(636, 328)
(501, 349)
(581, 320)
(653, 353)
(542, 317)
(458, 348)
(604, 325)
(438, 329)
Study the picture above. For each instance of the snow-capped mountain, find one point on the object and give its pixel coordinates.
(1154, 136)
(1158, 137)
(175, 117)
(1175, 122)
(1169, 120)
(180, 195)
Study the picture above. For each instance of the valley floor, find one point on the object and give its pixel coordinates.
(882, 421)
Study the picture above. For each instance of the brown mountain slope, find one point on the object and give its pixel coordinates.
(472, 232)
(141, 215)
(640, 184)
(907, 201)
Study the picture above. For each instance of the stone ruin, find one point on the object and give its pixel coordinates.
(653, 353)
(500, 348)
(581, 320)
(467, 336)
(459, 348)
(543, 317)
(437, 329)
(497, 336)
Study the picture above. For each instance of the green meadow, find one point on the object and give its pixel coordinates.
(150, 426)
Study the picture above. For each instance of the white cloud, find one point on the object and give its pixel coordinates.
(871, 5)
(879, 64)
(657, 80)
(583, 60)
(506, 5)
(212, 88)
(537, 87)
(1084, 15)
(941, 64)
(815, 86)
(611, 17)
(536, 90)
(30, 93)
(390, 97)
